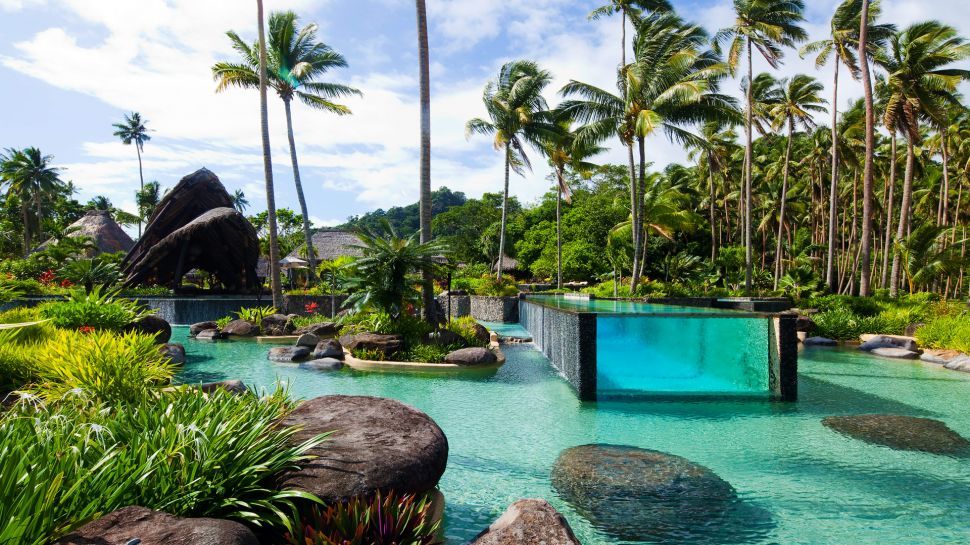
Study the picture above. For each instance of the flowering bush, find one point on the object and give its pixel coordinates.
(311, 307)
(47, 277)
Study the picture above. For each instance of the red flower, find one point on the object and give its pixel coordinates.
(66, 283)
(311, 307)
(86, 329)
(47, 277)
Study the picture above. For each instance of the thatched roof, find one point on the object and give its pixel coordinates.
(333, 244)
(107, 235)
(220, 241)
(508, 264)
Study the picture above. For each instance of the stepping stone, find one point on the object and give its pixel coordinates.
(329, 348)
(241, 328)
(528, 522)
(871, 342)
(195, 329)
(900, 432)
(157, 528)
(939, 357)
(471, 356)
(288, 354)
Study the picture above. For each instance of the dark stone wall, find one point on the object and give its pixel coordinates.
(461, 305)
(495, 309)
(296, 304)
(569, 341)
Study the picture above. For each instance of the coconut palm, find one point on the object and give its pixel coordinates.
(921, 84)
(628, 9)
(295, 61)
(518, 114)
(927, 254)
(765, 25)
(713, 156)
(147, 199)
(274, 248)
(424, 214)
(798, 99)
(134, 130)
(239, 200)
(29, 178)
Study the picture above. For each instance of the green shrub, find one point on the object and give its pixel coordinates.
(186, 453)
(949, 332)
(465, 327)
(489, 286)
(90, 272)
(97, 310)
(839, 323)
(256, 314)
(23, 287)
(369, 354)
(429, 353)
(382, 519)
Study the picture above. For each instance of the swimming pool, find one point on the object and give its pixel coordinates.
(802, 483)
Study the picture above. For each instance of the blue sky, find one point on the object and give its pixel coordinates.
(71, 68)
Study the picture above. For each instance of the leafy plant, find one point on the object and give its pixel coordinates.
(465, 327)
(429, 353)
(91, 272)
(369, 354)
(96, 309)
(256, 314)
(223, 322)
(384, 519)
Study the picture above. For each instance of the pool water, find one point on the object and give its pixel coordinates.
(608, 306)
(800, 482)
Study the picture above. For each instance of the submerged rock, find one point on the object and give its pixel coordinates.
(211, 335)
(900, 432)
(376, 444)
(174, 352)
(157, 528)
(241, 328)
(471, 356)
(528, 522)
(961, 363)
(819, 341)
(891, 352)
(197, 328)
(872, 342)
(323, 364)
(288, 354)
(329, 348)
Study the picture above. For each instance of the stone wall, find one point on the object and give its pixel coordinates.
(190, 310)
(495, 309)
(568, 339)
(461, 305)
(296, 304)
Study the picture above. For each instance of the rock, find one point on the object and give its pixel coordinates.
(898, 353)
(388, 344)
(288, 354)
(471, 356)
(376, 444)
(960, 363)
(939, 357)
(528, 522)
(195, 329)
(152, 325)
(871, 342)
(900, 432)
(231, 386)
(323, 364)
(241, 328)
(321, 329)
(804, 324)
(308, 340)
(445, 337)
(211, 335)
(157, 528)
(174, 352)
(819, 341)
(329, 348)
(276, 325)
(638, 494)
(482, 334)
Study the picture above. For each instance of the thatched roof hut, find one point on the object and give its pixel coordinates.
(330, 245)
(509, 264)
(102, 229)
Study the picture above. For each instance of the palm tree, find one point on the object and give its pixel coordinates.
(296, 60)
(765, 25)
(799, 98)
(30, 178)
(517, 114)
(239, 200)
(842, 46)
(134, 130)
(274, 248)
(927, 254)
(628, 9)
(713, 156)
(424, 214)
(147, 199)
(921, 85)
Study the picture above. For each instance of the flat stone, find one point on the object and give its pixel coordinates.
(157, 528)
(276, 325)
(388, 344)
(232, 386)
(899, 353)
(241, 328)
(900, 432)
(471, 356)
(323, 364)
(197, 328)
(376, 444)
(819, 341)
(939, 357)
(152, 325)
(872, 342)
(174, 352)
(528, 522)
(308, 340)
(329, 348)
(288, 354)
(960, 363)
(637, 494)
(211, 335)
(320, 329)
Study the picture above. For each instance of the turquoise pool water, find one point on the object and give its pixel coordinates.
(800, 482)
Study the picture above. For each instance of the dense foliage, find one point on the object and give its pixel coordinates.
(384, 519)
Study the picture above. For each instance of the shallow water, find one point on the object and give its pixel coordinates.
(799, 482)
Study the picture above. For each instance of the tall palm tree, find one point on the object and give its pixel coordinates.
(798, 99)
(713, 156)
(518, 114)
(765, 25)
(134, 130)
(30, 178)
(921, 85)
(147, 199)
(274, 248)
(424, 214)
(628, 9)
(295, 61)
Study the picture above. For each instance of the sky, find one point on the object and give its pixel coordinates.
(71, 68)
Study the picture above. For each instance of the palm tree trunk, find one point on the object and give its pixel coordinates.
(867, 175)
(633, 206)
(638, 245)
(833, 184)
(427, 281)
(40, 216)
(886, 247)
(559, 229)
(749, 121)
(141, 180)
(903, 215)
(23, 212)
(505, 208)
(274, 250)
(711, 205)
(945, 194)
(307, 238)
(784, 194)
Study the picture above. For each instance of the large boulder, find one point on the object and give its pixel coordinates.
(241, 328)
(174, 352)
(638, 494)
(482, 334)
(152, 325)
(528, 522)
(471, 356)
(376, 444)
(320, 329)
(386, 344)
(277, 325)
(197, 328)
(872, 342)
(323, 364)
(329, 348)
(288, 354)
(900, 432)
(149, 527)
(211, 335)
(308, 340)
(893, 352)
